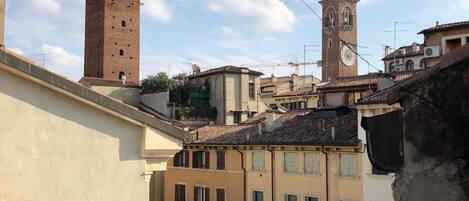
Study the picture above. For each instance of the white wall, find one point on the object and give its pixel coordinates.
(53, 148)
(375, 187)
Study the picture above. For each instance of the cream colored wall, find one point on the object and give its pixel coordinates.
(127, 95)
(375, 187)
(53, 147)
(158, 102)
(259, 180)
(231, 179)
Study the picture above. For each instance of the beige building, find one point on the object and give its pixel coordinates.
(234, 91)
(290, 91)
(444, 38)
(294, 161)
(62, 141)
(407, 58)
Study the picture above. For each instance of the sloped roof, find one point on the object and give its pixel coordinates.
(409, 52)
(267, 82)
(82, 92)
(444, 27)
(302, 91)
(301, 130)
(226, 69)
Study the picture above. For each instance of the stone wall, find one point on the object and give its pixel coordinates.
(436, 129)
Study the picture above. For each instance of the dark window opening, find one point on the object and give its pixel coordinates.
(121, 52)
(201, 160)
(252, 90)
(201, 193)
(122, 76)
(423, 63)
(453, 44)
(220, 194)
(124, 23)
(291, 197)
(181, 159)
(258, 196)
(391, 67)
(221, 160)
(237, 117)
(311, 199)
(180, 192)
(409, 65)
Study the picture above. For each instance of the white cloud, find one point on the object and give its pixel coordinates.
(367, 2)
(464, 4)
(52, 6)
(230, 32)
(60, 61)
(157, 10)
(266, 15)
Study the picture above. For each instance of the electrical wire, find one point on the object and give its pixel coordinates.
(338, 37)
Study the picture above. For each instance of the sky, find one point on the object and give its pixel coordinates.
(213, 33)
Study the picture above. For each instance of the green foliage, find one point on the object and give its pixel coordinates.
(155, 84)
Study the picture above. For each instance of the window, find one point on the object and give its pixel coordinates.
(311, 164)
(391, 67)
(201, 194)
(201, 160)
(291, 197)
(221, 160)
(258, 196)
(236, 117)
(330, 19)
(181, 159)
(347, 165)
(330, 43)
(180, 192)
(121, 52)
(258, 161)
(311, 199)
(290, 161)
(453, 44)
(124, 23)
(252, 90)
(220, 194)
(423, 63)
(409, 65)
(273, 106)
(122, 76)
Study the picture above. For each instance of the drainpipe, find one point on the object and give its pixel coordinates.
(272, 168)
(224, 99)
(327, 173)
(244, 173)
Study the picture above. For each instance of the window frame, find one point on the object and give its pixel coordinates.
(318, 163)
(237, 117)
(252, 90)
(253, 164)
(285, 162)
(254, 195)
(205, 160)
(184, 159)
(176, 190)
(355, 161)
(221, 166)
(313, 197)
(287, 196)
(206, 193)
(216, 193)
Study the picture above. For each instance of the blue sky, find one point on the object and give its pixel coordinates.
(218, 32)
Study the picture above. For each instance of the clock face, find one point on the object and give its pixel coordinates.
(347, 56)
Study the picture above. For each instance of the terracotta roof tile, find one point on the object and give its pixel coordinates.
(443, 27)
(302, 91)
(226, 69)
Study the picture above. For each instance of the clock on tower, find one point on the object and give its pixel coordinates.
(339, 37)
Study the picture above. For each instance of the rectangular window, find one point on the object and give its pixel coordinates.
(236, 117)
(290, 161)
(311, 199)
(220, 194)
(201, 194)
(311, 164)
(252, 90)
(180, 192)
(201, 160)
(258, 161)
(221, 160)
(258, 196)
(181, 159)
(291, 197)
(453, 44)
(347, 163)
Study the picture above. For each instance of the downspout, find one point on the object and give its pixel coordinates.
(272, 167)
(244, 173)
(327, 173)
(224, 99)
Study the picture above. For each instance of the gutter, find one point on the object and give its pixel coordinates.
(244, 173)
(327, 173)
(272, 167)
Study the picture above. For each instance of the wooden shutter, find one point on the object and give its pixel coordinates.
(220, 160)
(207, 160)
(195, 159)
(207, 194)
(196, 193)
(186, 159)
(220, 194)
(176, 197)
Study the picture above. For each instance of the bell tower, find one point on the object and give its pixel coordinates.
(339, 20)
(112, 41)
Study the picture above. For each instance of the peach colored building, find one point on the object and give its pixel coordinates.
(309, 157)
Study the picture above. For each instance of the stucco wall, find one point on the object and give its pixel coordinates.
(128, 95)
(158, 102)
(54, 148)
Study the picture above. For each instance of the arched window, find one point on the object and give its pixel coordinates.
(391, 67)
(122, 76)
(347, 16)
(409, 65)
(329, 20)
(124, 23)
(423, 63)
(330, 43)
(121, 52)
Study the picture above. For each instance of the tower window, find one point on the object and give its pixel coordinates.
(121, 52)
(124, 23)
(122, 76)
(330, 19)
(330, 43)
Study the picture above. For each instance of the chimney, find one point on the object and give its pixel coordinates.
(259, 127)
(333, 133)
(271, 122)
(387, 50)
(273, 78)
(321, 124)
(437, 23)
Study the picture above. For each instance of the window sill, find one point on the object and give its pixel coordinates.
(347, 177)
(384, 177)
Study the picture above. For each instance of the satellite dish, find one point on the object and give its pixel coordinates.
(195, 69)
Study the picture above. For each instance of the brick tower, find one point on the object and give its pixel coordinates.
(112, 42)
(339, 19)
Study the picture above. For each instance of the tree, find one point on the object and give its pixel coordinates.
(155, 84)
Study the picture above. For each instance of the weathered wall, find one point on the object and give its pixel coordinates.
(54, 148)
(436, 130)
(128, 95)
(158, 102)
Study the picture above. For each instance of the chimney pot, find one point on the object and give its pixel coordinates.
(333, 133)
